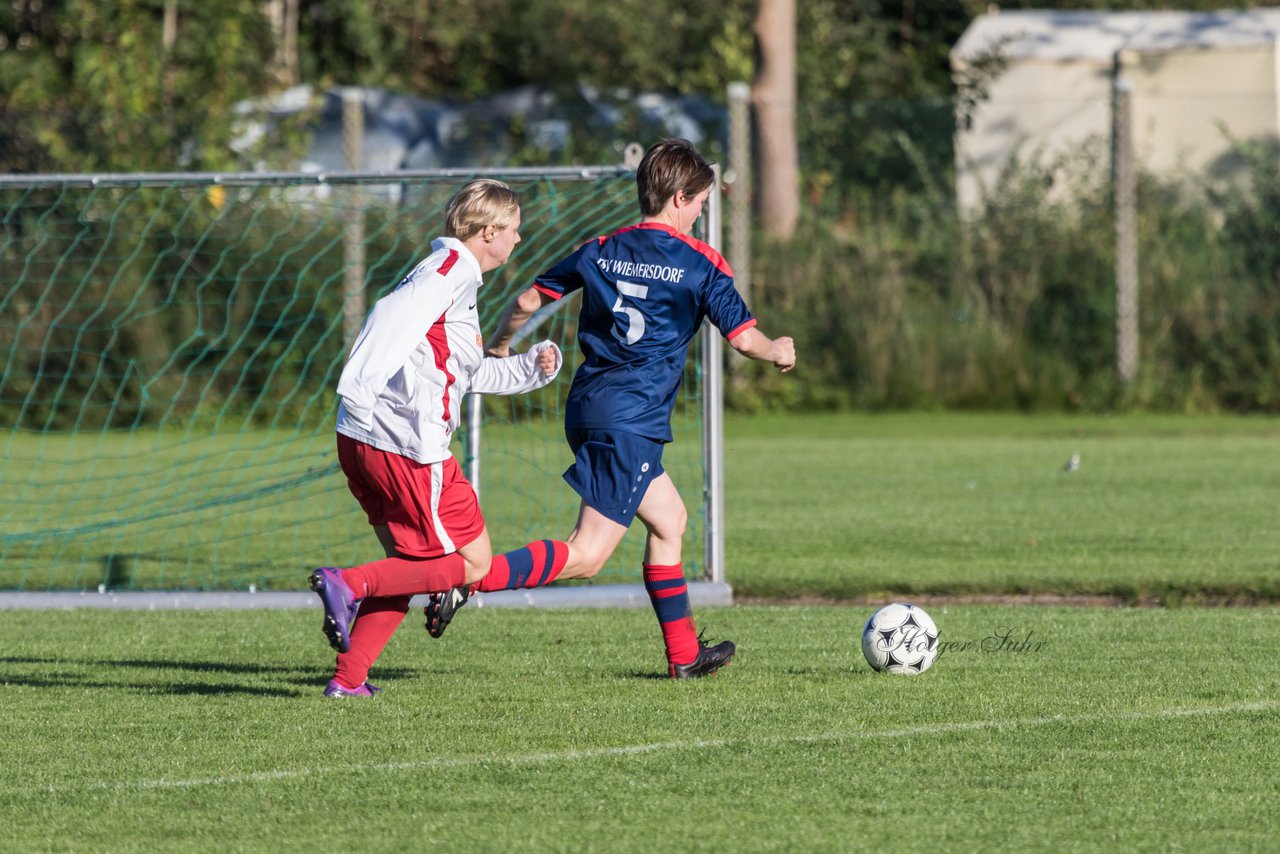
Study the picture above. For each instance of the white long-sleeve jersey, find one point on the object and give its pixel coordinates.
(419, 351)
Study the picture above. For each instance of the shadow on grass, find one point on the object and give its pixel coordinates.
(309, 680)
(175, 688)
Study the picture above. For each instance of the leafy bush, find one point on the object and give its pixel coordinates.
(899, 301)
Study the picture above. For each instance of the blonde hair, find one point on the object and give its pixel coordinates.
(481, 202)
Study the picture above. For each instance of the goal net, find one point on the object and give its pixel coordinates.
(169, 348)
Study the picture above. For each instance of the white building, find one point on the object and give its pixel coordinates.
(1198, 82)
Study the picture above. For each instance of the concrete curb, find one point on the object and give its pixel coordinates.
(701, 593)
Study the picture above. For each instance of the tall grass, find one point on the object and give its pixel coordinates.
(900, 301)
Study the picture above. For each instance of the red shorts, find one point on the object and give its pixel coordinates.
(430, 509)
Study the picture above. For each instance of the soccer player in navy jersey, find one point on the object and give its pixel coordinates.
(645, 291)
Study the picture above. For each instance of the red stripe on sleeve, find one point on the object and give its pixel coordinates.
(439, 340)
(540, 289)
(741, 329)
(447, 264)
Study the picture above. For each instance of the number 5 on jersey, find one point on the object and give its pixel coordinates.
(635, 320)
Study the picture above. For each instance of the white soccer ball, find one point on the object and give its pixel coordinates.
(900, 638)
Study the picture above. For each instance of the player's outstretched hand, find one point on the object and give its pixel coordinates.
(784, 354)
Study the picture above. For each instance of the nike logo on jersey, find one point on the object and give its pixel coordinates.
(470, 307)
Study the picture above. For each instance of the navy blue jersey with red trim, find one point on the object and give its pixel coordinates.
(645, 292)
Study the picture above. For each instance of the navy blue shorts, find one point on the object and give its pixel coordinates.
(612, 470)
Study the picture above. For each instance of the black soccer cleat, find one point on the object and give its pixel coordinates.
(709, 660)
(441, 607)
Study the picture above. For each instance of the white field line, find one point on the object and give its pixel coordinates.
(657, 747)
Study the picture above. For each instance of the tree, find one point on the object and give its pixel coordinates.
(127, 85)
(773, 96)
(283, 15)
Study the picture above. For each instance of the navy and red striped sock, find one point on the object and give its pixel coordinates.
(669, 595)
(536, 565)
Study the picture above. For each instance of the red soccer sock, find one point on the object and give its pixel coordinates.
(374, 626)
(669, 595)
(402, 576)
(535, 565)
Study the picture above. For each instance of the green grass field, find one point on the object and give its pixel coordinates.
(1161, 507)
(1124, 729)
(1087, 728)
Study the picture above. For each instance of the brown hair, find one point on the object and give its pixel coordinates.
(669, 167)
(482, 202)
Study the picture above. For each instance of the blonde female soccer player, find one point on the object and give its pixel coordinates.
(400, 395)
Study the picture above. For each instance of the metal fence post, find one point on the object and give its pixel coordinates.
(738, 177)
(353, 296)
(1125, 188)
(713, 419)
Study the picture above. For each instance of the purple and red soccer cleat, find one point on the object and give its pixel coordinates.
(340, 606)
(335, 689)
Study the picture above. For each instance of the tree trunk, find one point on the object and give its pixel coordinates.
(283, 15)
(774, 97)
